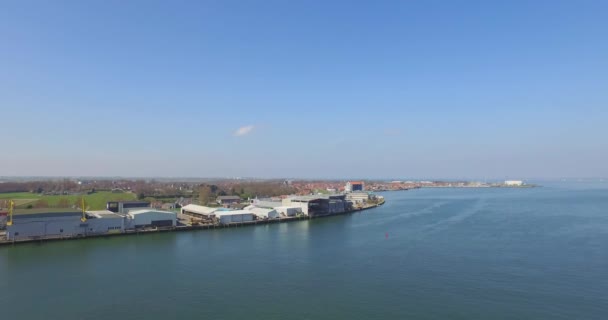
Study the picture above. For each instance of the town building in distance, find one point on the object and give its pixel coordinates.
(228, 200)
(352, 186)
(514, 183)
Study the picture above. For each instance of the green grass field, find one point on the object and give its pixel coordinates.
(95, 201)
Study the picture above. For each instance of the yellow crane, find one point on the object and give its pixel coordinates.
(84, 211)
(11, 205)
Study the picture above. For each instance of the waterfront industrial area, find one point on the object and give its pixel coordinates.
(138, 207)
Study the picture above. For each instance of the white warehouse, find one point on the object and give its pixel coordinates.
(358, 197)
(289, 211)
(199, 211)
(264, 213)
(150, 217)
(514, 183)
(236, 216)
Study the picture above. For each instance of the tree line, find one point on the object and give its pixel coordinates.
(245, 190)
(38, 186)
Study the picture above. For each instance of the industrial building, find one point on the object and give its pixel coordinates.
(228, 200)
(353, 186)
(3, 218)
(221, 215)
(235, 216)
(139, 218)
(124, 206)
(49, 223)
(67, 223)
(105, 220)
(357, 197)
(288, 211)
(197, 211)
(263, 213)
(514, 183)
(266, 203)
(319, 205)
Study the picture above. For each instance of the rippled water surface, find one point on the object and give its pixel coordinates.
(537, 253)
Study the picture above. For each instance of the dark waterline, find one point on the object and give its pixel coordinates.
(427, 254)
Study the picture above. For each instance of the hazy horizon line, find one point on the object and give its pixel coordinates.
(295, 178)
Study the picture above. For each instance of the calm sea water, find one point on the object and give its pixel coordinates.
(427, 254)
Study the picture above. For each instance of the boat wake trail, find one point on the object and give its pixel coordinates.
(404, 215)
(459, 217)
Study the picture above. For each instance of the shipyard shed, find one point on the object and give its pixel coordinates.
(3, 218)
(264, 213)
(32, 224)
(358, 197)
(318, 205)
(62, 223)
(124, 206)
(262, 203)
(106, 221)
(199, 211)
(236, 216)
(289, 211)
(139, 218)
(228, 200)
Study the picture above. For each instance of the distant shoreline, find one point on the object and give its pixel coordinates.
(460, 187)
(503, 187)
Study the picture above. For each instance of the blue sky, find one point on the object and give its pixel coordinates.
(311, 89)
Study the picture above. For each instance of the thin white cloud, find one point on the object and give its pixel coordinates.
(243, 131)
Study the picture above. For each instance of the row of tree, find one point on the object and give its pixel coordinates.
(65, 186)
(246, 190)
(39, 186)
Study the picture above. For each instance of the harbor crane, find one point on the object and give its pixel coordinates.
(84, 211)
(11, 206)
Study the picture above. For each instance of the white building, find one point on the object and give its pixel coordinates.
(298, 202)
(267, 203)
(63, 223)
(357, 197)
(318, 205)
(264, 213)
(3, 219)
(353, 186)
(199, 211)
(514, 183)
(105, 219)
(151, 217)
(235, 216)
(289, 211)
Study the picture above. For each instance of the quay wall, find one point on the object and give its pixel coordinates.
(61, 237)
